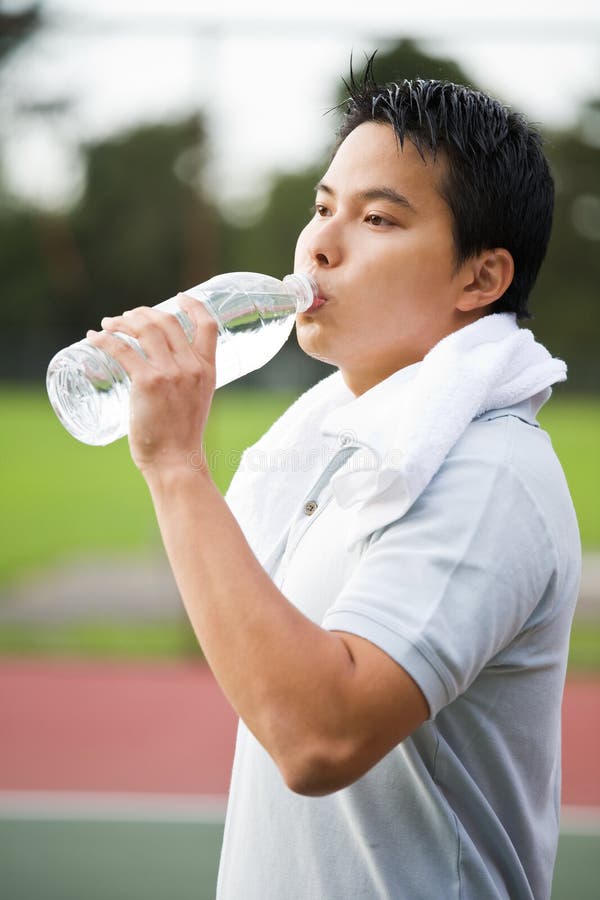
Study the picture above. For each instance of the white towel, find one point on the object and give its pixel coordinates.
(404, 428)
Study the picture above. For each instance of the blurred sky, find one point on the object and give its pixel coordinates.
(265, 73)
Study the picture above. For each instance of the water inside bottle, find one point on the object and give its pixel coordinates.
(248, 345)
(247, 338)
(89, 390)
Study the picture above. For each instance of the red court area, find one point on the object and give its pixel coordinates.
(166, 728)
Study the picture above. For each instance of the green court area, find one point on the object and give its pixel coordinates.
(108, 860)
(84, 860)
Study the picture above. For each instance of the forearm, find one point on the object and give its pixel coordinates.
(282, 673)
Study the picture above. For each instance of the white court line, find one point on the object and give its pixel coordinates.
(580, 820)
(112, 806)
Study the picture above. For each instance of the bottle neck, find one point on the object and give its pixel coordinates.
(303, 288)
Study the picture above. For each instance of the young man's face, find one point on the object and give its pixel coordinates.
(380, 247)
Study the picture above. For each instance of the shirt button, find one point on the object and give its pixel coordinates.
(310, 507)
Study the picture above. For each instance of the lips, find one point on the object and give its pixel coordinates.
(317, 303)
(319, 300)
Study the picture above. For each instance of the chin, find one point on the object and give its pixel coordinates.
(312, 348)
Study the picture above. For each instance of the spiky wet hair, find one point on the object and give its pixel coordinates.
(496, 179)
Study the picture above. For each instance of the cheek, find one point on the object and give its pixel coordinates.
(302, 244)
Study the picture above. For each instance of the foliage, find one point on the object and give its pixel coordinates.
(17, 27)
(143, 229)
(565, 299)
(141, 232)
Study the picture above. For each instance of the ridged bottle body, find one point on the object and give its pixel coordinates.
(89, 390)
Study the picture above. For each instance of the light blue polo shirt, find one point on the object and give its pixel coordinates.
(472, 592)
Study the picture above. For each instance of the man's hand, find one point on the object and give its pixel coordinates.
(171, 388)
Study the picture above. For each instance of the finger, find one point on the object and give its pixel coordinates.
(205, 327)
(127, 356)
(157, 332)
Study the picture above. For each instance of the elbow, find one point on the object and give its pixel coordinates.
(319, 772)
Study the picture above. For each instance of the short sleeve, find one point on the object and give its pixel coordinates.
(448, 586)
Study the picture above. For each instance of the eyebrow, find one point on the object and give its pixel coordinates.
(374, 193)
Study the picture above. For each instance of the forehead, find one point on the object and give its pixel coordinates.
(371, 156)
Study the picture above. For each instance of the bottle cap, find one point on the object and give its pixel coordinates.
(304, 288)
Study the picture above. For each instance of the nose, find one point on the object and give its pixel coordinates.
(324, 244)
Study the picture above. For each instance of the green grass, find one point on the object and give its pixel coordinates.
(574, 427)
(584, 649)
(142, 640)
(174, 640)
(62, 499)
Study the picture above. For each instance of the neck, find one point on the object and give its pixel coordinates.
(361, 381)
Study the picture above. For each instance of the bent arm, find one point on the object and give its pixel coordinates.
(326, 706)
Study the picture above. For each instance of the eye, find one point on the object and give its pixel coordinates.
(320, 210)
(377, 220)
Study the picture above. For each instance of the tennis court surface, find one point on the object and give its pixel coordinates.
(113, 780)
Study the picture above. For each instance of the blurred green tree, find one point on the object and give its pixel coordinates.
(565, 299)
(141, 231)
(17, 27)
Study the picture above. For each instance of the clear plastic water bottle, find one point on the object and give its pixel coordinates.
(89, 390)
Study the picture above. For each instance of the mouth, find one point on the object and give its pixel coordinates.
(319, 301)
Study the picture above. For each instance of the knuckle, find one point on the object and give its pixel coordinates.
(209, 325)
(198, 373)
(152, 381)
(145, 326)
(162, 378)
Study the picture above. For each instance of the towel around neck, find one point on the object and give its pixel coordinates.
(403, 428)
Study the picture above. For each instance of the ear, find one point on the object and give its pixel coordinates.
(488, 276)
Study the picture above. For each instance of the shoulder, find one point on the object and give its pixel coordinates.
(512, 442)
(505, 458)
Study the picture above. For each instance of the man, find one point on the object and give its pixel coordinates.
(396, 644)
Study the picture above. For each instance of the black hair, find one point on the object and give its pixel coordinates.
(497, 182)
